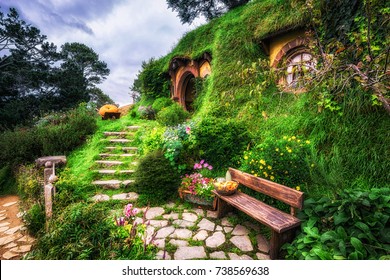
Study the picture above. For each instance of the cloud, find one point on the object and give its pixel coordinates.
(123, 32)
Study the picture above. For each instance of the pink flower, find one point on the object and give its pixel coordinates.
(201, 162)
(188, 130)
(135, 211)
(205, 165)
(197, 166)
(210, 167)
(128, 210)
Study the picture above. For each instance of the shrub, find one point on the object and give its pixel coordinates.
(155, 178)
(220, 141)
(152, 139)
(172, 115)
(7, 180)
(55, 135)
(81, 231)
(283, 160)
(146, 112)
(177, 142)
(353, 226)
(35, 219)
(161, 103)
(29, 180)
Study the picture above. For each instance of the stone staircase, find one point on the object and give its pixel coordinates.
(116, 165)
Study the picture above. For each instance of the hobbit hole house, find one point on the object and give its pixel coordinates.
(183, 72)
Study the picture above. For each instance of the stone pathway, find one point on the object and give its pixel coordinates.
(197, 234)
(14, 240)
(116, 166)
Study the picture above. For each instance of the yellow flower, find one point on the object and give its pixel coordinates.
(277, 149)
(290, 151)
(281, 154)
(265, 174)
(252, 172)
(262, 161)
(284, 137)
(298, 188)
(255, 175)
(312, 165)
(245, 157)
(289, 139)
(272, 178)
(293, 138)
(261, 167)
(285, 172)
(298, 140)
(269, 167)
(307, 142)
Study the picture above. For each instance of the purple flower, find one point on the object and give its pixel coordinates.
(120, 221)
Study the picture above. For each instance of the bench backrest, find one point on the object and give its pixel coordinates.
(288, 195)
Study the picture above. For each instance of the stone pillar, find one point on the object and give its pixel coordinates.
(48, 193)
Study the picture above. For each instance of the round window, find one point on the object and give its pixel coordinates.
(298, 65)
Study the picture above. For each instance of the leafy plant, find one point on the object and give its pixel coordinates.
(146, 112)
(353, 226)
(283, 160)
(161, 103)
(131, 238)
(35, 219)
(219, 141)
(155, 178)
(172, 115)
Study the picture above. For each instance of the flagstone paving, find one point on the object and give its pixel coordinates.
(185, 234)
(14, 239)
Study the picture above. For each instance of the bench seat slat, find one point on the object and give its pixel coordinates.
(278, 220)
(288, 195)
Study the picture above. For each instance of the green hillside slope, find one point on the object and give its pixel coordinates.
(347, 140)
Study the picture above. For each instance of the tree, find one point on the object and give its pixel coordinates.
(189, 10)
(98, 97)
(79, 73)
(26, 64)
(36, 79)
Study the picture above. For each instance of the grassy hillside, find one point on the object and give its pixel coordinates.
(347, 146)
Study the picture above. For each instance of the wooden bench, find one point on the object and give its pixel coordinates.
(282, 224)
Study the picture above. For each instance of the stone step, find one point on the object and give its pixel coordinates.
(112, 184)
(108, 184)
(133, 127)
(123, 148)
(127, 182)
(117, 155)
(119, 140)
(117, 133)
(112, 172)
(109, 162)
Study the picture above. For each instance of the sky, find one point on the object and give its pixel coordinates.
(122, 32)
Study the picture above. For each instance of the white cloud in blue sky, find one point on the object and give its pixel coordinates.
(123, 32)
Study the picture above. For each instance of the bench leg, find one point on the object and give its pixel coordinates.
(274, 245)
(277, 240)
(222, 208)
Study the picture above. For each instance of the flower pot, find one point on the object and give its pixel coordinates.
(200, 201)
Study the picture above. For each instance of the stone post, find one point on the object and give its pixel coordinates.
(49, 178)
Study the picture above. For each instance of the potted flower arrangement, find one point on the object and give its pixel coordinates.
(197, 187)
